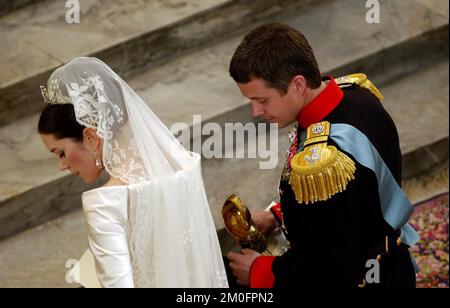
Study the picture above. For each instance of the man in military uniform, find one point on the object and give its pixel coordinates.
(341, 204)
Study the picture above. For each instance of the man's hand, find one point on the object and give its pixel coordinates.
(240, 264)
(264, 221)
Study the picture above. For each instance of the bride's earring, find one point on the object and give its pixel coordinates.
(98, 161)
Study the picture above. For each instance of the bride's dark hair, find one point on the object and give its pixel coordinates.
(59, 120)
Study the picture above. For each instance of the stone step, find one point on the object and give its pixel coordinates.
(419, 105)
(8, 6)
(37, 257)
(130, 36)
(33, 191)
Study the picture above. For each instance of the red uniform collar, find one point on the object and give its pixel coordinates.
(321, 105)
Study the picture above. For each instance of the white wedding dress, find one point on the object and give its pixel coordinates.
(157, 230)
(109, 215)
(106, 213)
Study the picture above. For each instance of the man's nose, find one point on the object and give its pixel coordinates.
(257, 110)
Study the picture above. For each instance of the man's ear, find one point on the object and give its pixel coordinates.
(300, 84)
(90, 139)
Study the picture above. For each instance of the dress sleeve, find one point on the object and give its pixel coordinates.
(106, 215)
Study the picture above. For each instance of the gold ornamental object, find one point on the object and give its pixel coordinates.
(361, 80)
(239, 224)
(319, 171)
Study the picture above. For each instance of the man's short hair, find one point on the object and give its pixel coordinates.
(275, 53)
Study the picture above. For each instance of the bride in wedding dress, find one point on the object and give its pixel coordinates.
(150, 225)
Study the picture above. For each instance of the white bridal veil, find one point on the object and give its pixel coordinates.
(171, 233)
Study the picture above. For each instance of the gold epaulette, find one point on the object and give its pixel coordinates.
(361, 80)
(319, 171)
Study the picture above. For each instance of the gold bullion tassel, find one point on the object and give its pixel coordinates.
(361, 80)
(319, 171)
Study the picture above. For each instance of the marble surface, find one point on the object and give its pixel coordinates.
(418, 103)
(43, 30)
(428, 185)
(159, 31)
(439, 6)
(344, 35)
(37, 258)
(126, 34)
(26, 161)
(9, 6)
(38, 38)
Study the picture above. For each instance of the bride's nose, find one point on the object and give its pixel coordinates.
(62, 165)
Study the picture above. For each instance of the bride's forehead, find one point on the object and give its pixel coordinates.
(51, 141)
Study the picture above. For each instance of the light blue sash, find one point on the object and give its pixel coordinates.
(395, 206)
